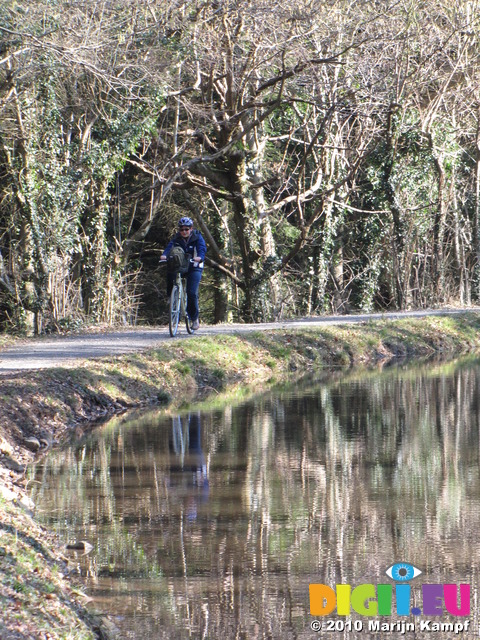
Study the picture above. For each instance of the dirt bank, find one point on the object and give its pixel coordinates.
(39, 409)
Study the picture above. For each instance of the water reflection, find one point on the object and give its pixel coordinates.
(213, 524)
(188, 470)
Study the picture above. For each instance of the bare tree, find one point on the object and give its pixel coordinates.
(258, 119)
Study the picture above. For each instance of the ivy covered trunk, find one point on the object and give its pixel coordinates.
(476, 218)
(255, 238)
(94, 253)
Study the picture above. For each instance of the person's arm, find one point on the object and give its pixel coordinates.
(201, 249)
(166, 251)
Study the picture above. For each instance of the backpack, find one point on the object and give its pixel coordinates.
(177, 261)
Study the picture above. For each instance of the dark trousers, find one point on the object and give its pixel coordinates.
(194, 276)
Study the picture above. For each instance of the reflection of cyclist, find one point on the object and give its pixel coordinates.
(190, 466)
(192, 242)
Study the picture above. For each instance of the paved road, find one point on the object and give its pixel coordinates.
(45, 353)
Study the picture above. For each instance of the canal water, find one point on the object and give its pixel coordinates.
(212, 523)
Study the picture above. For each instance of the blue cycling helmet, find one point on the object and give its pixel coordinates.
(185, 222)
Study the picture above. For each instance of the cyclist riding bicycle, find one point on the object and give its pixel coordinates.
(193, 243)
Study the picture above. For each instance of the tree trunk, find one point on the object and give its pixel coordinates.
(439, 233)
(477, 208)
(94, 250)
(398, 235)
(254, 233)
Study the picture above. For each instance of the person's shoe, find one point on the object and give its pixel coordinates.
(195, 325)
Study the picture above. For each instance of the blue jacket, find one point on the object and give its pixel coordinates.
(195, 247)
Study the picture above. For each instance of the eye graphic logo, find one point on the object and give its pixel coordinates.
(402, 572)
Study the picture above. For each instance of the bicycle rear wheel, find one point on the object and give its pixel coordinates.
(188, 322)
(174, 310)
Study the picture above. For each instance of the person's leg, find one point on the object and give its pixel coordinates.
(170, 281)
(193, 280)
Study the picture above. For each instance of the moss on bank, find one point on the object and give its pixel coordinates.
(39, 408)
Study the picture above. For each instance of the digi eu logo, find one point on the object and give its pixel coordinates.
(382, 599)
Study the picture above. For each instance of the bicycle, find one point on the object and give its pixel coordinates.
(178, 304)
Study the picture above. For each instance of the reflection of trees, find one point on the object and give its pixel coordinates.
(330, 482)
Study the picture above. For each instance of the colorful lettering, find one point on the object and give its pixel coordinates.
(450, 595)
(322, 600)
(361, 595)
(433, 599)
(402, 596)
(367, 600)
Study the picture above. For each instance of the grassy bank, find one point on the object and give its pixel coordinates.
(41, 408)
(37, 600)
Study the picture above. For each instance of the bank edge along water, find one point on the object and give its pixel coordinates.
(385, 600)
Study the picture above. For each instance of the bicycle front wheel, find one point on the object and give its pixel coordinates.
(174, 310)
